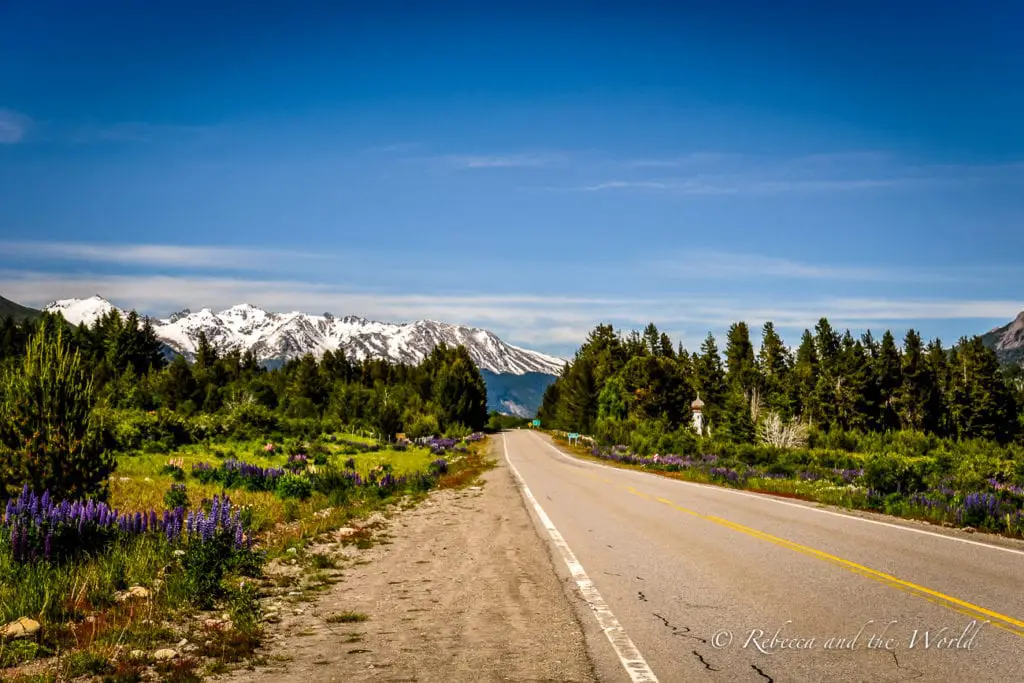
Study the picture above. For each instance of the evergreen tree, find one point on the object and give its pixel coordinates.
(917, 397)
(710, 377)
(47, 440)
(888, 379)
(805, 378)
(579, 396)
(774, 366)
(739, 356)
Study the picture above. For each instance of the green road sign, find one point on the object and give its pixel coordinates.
(536, 423)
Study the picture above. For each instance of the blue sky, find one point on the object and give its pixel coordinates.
(533, 170)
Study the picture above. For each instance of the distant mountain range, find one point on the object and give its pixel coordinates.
(516, 377)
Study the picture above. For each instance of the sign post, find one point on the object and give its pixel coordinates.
(536, 423)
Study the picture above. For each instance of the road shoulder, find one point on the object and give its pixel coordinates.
(460, 588)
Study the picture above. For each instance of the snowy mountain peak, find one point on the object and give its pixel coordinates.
(78, 311)
(278, 336)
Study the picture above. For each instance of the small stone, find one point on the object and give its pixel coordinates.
(164, 655)
(21, 628)
(968, 529)
(346, 531)
(137, 654)
(292, 551)
(135, 592)
(182, 643)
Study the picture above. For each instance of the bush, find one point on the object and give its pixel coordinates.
(294, 486)
(890, 473)
(47, 436)
(176, 497)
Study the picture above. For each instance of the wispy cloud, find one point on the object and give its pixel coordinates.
(736, 185)
(165, 255)
(13, 127)
(541, 321)
(131, 132)
(690, 159)
(502, 160)
(719, 265)
(395, 148)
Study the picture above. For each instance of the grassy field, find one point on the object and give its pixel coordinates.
(91, 621)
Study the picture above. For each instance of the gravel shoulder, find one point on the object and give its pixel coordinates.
(462, 588)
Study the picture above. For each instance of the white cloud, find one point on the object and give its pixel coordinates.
(502, 160)
(717, 265)
(154, 254)
(13, 127)
(538, 321)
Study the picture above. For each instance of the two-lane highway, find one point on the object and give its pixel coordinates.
(676, 581)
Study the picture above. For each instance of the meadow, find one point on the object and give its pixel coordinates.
(166, 577)
(968, 485)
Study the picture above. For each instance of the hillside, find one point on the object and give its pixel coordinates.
(9, 309)
(1007, 341)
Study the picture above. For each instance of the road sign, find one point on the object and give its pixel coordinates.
(536, 423)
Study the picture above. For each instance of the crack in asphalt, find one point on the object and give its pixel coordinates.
(898, 666)
(706, 665)
(766, 676)
(679, 630)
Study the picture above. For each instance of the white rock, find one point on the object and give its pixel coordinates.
(21, 628)
(164, 655)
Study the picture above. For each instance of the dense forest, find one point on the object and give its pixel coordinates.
(142, 396)
(620, 385)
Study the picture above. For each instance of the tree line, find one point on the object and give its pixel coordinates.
(130, 368)
(832, 381)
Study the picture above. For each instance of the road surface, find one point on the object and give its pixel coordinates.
(675, 581)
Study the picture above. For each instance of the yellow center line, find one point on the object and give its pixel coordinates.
(1007, 623)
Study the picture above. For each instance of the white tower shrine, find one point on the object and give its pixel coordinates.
(698, 415)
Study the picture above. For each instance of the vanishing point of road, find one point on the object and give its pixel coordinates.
(675, 581)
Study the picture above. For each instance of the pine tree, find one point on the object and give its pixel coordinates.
(710, 378)
(578, 405)
(805, 379)
(739, 356)
(47, 440)
(917, 397)
(774, 365)
(852, 376)
(937, 361)
(889, 379)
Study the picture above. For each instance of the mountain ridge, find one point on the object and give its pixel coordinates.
(1007, 340)
(279, 336)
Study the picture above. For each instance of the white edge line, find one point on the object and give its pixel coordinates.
(634, 663)
(772, 499)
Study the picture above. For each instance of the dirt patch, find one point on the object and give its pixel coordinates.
(462, 589)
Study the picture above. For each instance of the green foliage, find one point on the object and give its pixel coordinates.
(294, 486)
(47, 439)
(834, 383)
(176, 497)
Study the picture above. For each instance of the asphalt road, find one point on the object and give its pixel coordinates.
(676, 581)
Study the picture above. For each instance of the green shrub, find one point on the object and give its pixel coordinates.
(294, 486)
(176, 497)
(47, 436)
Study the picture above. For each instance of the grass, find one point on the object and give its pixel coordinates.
(83, 622)
(346, 618)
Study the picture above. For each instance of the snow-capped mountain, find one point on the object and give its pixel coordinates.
(278, 336)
